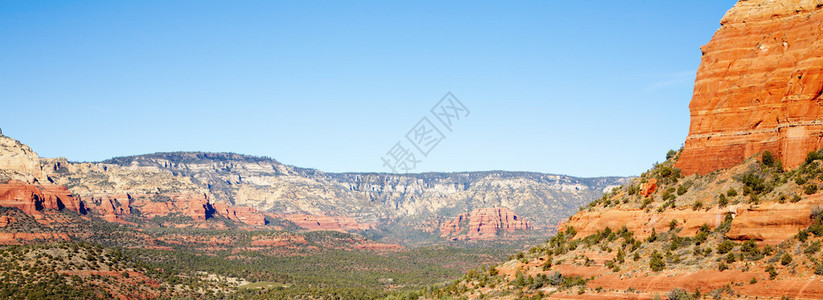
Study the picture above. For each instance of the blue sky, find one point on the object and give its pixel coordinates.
(585, 88)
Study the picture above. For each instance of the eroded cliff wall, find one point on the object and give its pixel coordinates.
(759, 87)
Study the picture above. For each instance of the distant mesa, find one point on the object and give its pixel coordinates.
(228, 190)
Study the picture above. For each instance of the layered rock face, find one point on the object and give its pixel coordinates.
(33, 199)
(18, 161)
(759, 87)
(332, 223)
(198, 207)
(483, 224)
(248, 215)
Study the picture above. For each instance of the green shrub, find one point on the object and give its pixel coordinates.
(697, 205)
(722, 200)
(786, 259)
(812, 248)
(754, 199)
(731, 192)
(816, 228)
(682, 189)
(772, 272)
(818, 269)
(802, 236)
(812, 156)
(725, 247)
(673, 224)
(656, 262)
(671, 154)
(646, 203)
(722, 267)
(767, 159)
(668, 194)
(678, 294)
(652, 237)
(750, 248)
(810, 188)
(755, 182)
(730, 258)
(702, 235)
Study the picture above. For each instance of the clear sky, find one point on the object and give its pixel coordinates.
(585, 88)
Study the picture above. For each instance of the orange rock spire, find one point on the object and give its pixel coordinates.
(759, 87)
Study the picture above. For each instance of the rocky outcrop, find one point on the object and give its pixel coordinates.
(110, 207)
(772, 223)
(331, 223)
(196, 207)
(6, 220)
(12, 238)
(115, 207)
(642, 222)
(767, 223)
(759, 87)
(648, 188)
(34, 198)
(483, 224)
(248, 215)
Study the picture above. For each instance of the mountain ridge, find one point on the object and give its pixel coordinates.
(256, 190)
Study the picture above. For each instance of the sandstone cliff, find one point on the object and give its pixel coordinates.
(33, 199)
(331, 223)
(483, 224)
(759, 87)
(18, 161)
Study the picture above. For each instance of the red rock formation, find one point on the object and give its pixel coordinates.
(33, 199)
(759, 87)
(278, 241)
(248, 215)
(483, 223)
(453, 226)
(772, 223)
(641, 222)
(332, 223)
(11, 238)
(648, 188)
(6, 220)
(112, 206)
(58, 196)
(768, 223)
(196, 206)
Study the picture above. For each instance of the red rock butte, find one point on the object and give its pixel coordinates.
(32, 199)
(483, 224)
(759, 87)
